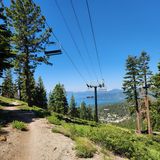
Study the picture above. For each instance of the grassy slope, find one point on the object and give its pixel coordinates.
(5, 116)
(119, 140)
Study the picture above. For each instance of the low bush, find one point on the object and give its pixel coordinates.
(19, 125)
(84, 148)
(118, 140)
(54, 120)
(79, 121)
(121, 141)
(62, 130)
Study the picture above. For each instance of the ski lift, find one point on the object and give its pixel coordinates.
(52, 52)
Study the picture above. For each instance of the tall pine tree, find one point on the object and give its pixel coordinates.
(89, 113)
(155, 108)
(131, 84)
(57, 100)
(83, 111)
(29, 38)
(72, 107)
(156, 84)
(5, 49)
(145, 77)
(32, 89)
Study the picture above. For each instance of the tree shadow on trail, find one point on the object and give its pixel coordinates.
(8, 116)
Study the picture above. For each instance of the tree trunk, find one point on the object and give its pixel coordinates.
(27, 79)
(147, 106)
(148, 116)
(138, 127)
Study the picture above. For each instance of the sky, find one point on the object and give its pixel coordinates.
(121, 27)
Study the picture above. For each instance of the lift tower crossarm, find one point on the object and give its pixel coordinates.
(95, 95)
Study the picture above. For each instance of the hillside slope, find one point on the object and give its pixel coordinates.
(38, 142)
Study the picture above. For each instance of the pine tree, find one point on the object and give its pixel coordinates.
(155, 108)
(131, 84)
(32, 89)
(144, 71)
(40, 94)
(6, 55)
(29, 38)
(72, 107)
(57, 100)
(145, 77)
(156, 84)
(15, 91)
(7, 85)
(89, 113)
(83, 111)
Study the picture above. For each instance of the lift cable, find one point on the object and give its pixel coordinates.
(72, 37)
(69, 57)
(94, 39)
(67, 54)
(83, 39)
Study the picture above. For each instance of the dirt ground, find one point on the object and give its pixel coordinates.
(38, 143)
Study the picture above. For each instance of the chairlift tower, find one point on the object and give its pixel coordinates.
(95, 95)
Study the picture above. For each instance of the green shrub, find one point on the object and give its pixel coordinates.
(74, 120)
(118, 140)
(19, 125)
(84, 148)
(54, 120)
(121, 141)
(62, 130)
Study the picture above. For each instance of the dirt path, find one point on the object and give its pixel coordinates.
(45, 145)
(38, 143)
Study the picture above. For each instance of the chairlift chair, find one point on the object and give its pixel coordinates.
(52, 52)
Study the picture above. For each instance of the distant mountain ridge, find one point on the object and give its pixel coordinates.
(104, 97)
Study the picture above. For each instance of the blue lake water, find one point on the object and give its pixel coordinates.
(103, 97)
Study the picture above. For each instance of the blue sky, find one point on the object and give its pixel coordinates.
(122, 28)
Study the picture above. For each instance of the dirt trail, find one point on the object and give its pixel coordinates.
(38, 143)
(45, 145)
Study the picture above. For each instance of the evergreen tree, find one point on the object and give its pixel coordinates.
(40, 94)
(78, 109)
(29, 38)
(155, 108)
(130, 86)
(57, 100)
(7, 85)
(32, 89)
(145, 77)
(5, 48)
(89, 113)
(15, 91)
(72, 107)
(144, 71)
(83, 111)
(156, 84)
